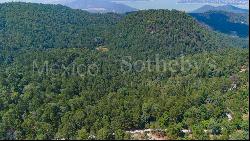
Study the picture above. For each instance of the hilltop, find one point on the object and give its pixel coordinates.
(170, 32)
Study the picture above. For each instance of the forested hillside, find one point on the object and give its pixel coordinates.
(50, 26)
(69, 74)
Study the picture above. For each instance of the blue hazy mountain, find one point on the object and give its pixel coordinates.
(101, 6)
(225, 8)
(236, 24)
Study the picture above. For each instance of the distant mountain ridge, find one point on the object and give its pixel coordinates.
(98, 6)
(232, 2)
(225, 8)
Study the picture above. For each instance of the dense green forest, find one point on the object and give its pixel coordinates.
(69, 74)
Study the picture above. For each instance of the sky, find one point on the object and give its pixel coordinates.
(146, 4)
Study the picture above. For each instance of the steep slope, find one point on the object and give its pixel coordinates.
(225, 8)
(235, 24)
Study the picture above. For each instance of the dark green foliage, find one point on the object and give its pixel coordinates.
(48, 26)
(60, 103)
